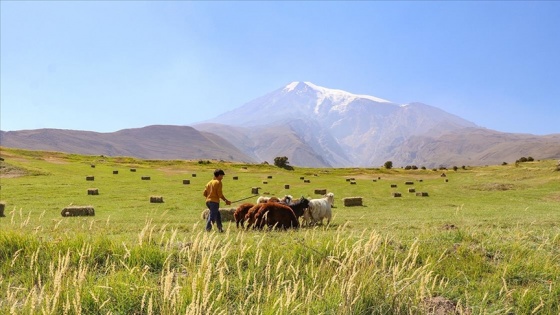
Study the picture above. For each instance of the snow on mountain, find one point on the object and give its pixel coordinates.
(342, 128)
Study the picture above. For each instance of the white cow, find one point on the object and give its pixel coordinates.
(319, 209)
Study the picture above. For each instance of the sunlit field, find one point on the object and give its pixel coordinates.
(486, 240)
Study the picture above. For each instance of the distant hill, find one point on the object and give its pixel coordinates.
(151, 142)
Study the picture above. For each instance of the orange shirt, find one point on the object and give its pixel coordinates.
(213, 191)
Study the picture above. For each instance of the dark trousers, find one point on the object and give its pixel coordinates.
(214, 216)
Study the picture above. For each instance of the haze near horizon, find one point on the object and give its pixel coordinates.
(106, 66)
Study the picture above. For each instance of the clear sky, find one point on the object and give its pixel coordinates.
(110, 65)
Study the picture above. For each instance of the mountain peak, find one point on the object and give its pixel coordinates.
(326, 93)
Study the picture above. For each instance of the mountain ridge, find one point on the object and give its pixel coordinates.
(314, 127)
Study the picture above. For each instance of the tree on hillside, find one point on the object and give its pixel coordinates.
(282, 161)
(388, 165)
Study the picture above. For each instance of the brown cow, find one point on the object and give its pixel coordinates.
(276, 215)
(241, 212)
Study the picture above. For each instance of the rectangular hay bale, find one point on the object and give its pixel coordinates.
(78, 211)
(93, 191)
(156, 199)
(352, 201)
(320, 191)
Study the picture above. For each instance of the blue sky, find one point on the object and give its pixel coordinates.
(110, 65)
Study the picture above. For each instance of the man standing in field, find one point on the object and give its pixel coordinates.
(213, 194)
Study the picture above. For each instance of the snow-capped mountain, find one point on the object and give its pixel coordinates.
(344, 129)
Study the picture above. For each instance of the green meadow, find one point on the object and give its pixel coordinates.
(486, 240)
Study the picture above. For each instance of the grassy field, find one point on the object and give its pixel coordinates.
(485, 241)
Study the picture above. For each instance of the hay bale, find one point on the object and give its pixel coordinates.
(397, 194)
(265, 182)
(375, 180)
(133, 170)
(348, 179)
(302, 178)
(255, 190)
(286, 186)
(320, 191)
(420, 180)
(244, 167)
(90, 178)
(115, 172)
(92, 165)
(193, 175)
(393, 185)
(93, 191)
(145, 177)
(269, 176)
(225, 213)
(306, 181)
(422, 194)
(78, 211)
(446, 180)
(2, 207)
(156, 199)
(235, 178)
(186, 182)
(352, 183)
(409, 183)
(411, 190)
(352, 201)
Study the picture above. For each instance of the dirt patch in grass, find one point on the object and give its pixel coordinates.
(10, 171)
(553, 197)
(492, 187)
(55, 160)
(439, 305)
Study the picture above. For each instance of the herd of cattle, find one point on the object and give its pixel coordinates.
(284, 213)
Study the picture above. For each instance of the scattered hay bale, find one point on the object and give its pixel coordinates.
(2, 207)
(286, 186)
(348, 179)
(420, 180)
(244, 167)
(90, 178)
(302, 178)
(156, 199)
(422, 194)
(393, 185)
(186, 182)
(235, 177)
(93, 191)
(133, 170)
(306, 181)
(78, 211)
(115, 172)
(446, 180)
(255, 190)
(92, 165)
(269, 176)
(193, 175)
(225, 213)
(409, 183)
(352, 201)
(320, 191)
(397, 194)
(145, 177)
(265, 182)
(352, 183)
(374, 180)
(411, 190)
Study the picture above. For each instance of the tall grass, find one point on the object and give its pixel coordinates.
(207, 273)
